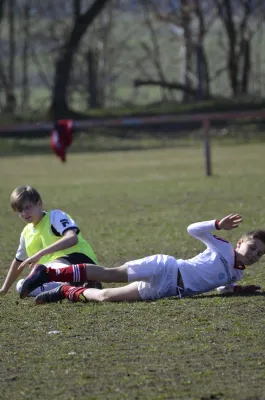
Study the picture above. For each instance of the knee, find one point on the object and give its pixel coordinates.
(103, 295)
(19, 284)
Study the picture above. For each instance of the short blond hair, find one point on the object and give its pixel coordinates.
(22, 194)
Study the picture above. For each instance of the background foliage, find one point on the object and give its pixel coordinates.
(83, 54)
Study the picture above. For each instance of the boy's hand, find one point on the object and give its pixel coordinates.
(231, 221)
(31, 260)
(2, 292)
(247, 289)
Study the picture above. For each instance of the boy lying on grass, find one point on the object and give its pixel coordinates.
(158, 276)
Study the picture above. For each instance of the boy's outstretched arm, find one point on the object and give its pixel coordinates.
(11, 277)
(238, 289)
(69, 239)
(202, 230)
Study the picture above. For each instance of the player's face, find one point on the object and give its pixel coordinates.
(30, 212)
(250, 250)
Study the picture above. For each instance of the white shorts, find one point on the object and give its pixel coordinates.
(56, 264)
(157, 276)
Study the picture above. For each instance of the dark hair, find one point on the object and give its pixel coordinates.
(255, 234)
(22, 194)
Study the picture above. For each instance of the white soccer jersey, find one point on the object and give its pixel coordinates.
(60, 222)
(214, 267)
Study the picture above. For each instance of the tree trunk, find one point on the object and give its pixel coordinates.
(233, 70)
(10, 95)
(2, 6)
(239, 42)
(189, 49)
(25, 57)
(93, 78)
(246, 67)
(59, 107)
(206, 76)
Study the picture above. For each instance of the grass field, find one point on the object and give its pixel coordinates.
(128, 205)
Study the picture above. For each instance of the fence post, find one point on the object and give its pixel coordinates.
(207, 145)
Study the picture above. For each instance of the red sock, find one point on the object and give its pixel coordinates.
(73, 293)
(73, 273)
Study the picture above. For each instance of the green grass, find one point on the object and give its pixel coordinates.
(128, 205)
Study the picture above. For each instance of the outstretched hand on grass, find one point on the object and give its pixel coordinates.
(246, 289)
(231, 221)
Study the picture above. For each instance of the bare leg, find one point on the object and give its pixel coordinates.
(125, 293)
(102, 274)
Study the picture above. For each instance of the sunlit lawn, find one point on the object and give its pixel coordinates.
(128, 205)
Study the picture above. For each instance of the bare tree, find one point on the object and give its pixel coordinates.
(241, 20)
(59, 106)
(153, 51)
(25, 56)
(7, 75)
(189, 21)
(2, 4)
(11, 98)
(3, 77)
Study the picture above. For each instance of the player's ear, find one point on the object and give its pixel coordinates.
(239, 242)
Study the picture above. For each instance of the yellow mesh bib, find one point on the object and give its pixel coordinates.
(41, 236)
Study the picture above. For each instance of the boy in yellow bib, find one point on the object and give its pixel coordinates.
(51, 238)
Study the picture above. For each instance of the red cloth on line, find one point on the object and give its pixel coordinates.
(61, 137)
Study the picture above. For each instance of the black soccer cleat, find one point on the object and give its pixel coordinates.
(36, 278)
(50, 296)
(93, 285)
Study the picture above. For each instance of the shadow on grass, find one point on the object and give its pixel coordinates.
(228, 295)
(94, 144)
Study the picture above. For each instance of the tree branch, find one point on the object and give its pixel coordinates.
(167, 85)
(218, 72)
(244, 21)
